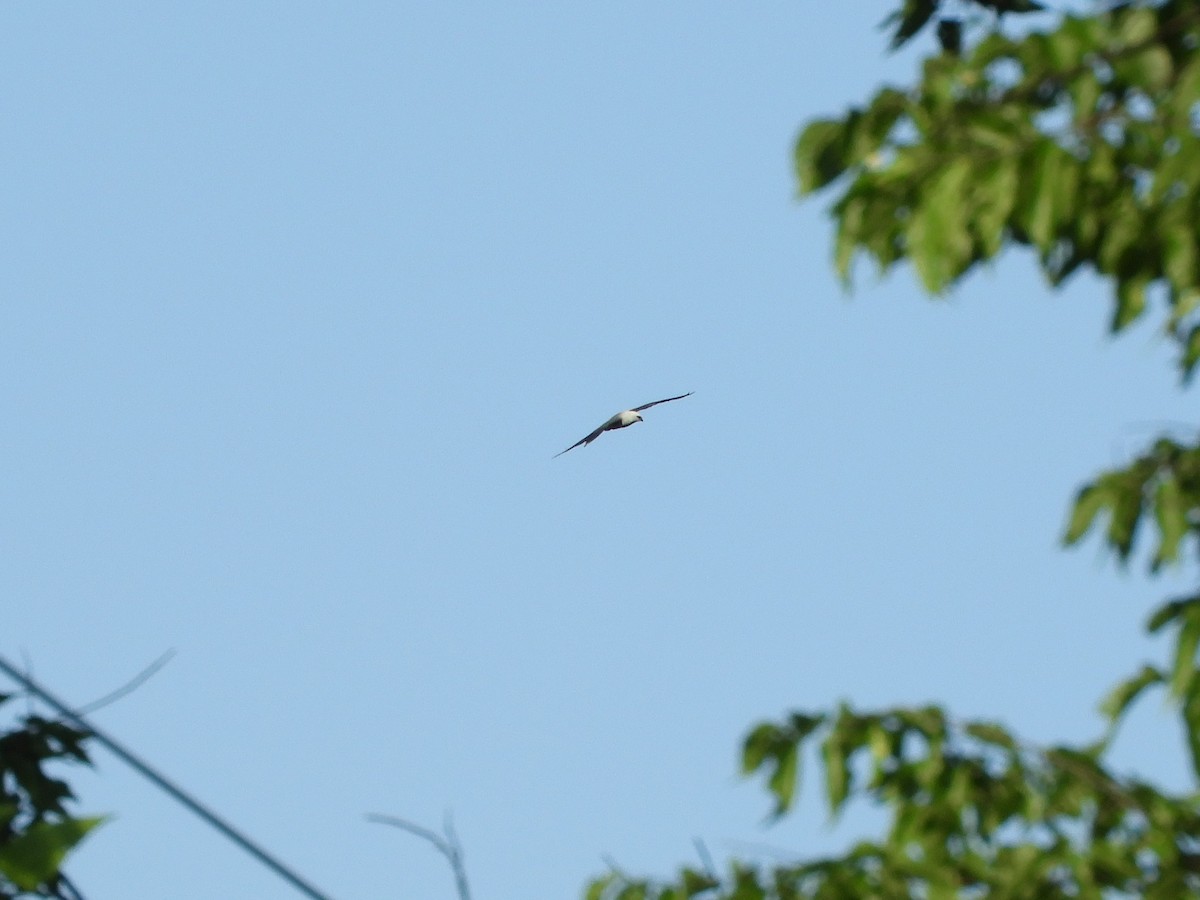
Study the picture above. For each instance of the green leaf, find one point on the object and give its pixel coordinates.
(938, 241)
(995, 195)
(1050, 192)
(949, 34)
(1179, 254)
(1169, 612)
(867, 131)
(1126, 510)
(820, 154)
(33, 857)
(1013, 6)
(600, 887)
(697, 882)
(1124, 222)
(991, 733)
(1191, 352)
(1171, 514)
(1150, 70)
(837, 749)
(1185, 96)
(1085, 90)
(758, 745)
(778, 749)
(837, 773)
(1191, 723)
(783, 780)
(912, 18)
(1119, 699)
(1131, 301)
(1186, 642)
(1137, 26)
(850, 226)
(879, 739)
(1088, 502)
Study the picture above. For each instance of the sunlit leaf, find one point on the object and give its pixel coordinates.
(782, 782)
(1119, 699)
(991, 733)
(837, 771)
(938, 241)
(1171, 515)
(34, 856)
(1047, 167)
(1088, 503)
(1137, 26)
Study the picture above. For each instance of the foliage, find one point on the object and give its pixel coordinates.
(1078, 137)
(1079, 142)
(36, 831)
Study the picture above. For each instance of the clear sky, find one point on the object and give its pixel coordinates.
(300, 299)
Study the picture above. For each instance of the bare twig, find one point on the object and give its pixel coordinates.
(28, 661)
(706, 859)
(449, 846)
(66, 882)
(129, 687)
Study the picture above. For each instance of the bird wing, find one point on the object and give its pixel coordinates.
(591, 437)
(656, 402)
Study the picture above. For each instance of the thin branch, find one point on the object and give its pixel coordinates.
(28, 661)
(706, 859)
(66, 882)
(129, 687)
(449, 846)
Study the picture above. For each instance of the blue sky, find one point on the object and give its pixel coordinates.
(302, 298)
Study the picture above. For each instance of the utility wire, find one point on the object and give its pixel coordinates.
(163, 784)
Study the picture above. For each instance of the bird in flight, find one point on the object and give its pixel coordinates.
(621, 420)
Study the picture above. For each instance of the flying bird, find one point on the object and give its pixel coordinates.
(621, 420)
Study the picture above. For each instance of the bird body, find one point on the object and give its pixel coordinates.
(622, 419)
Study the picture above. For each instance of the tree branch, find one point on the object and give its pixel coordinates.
(449, 846)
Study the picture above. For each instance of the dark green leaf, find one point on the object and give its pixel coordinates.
(912, 18)
(760, 743)
(820, 154)
(1191, 351)
(949, 34)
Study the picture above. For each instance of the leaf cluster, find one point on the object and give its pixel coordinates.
(973, 812)
(1080, 142)
(36, 830)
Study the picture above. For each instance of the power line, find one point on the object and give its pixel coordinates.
(163, 784)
